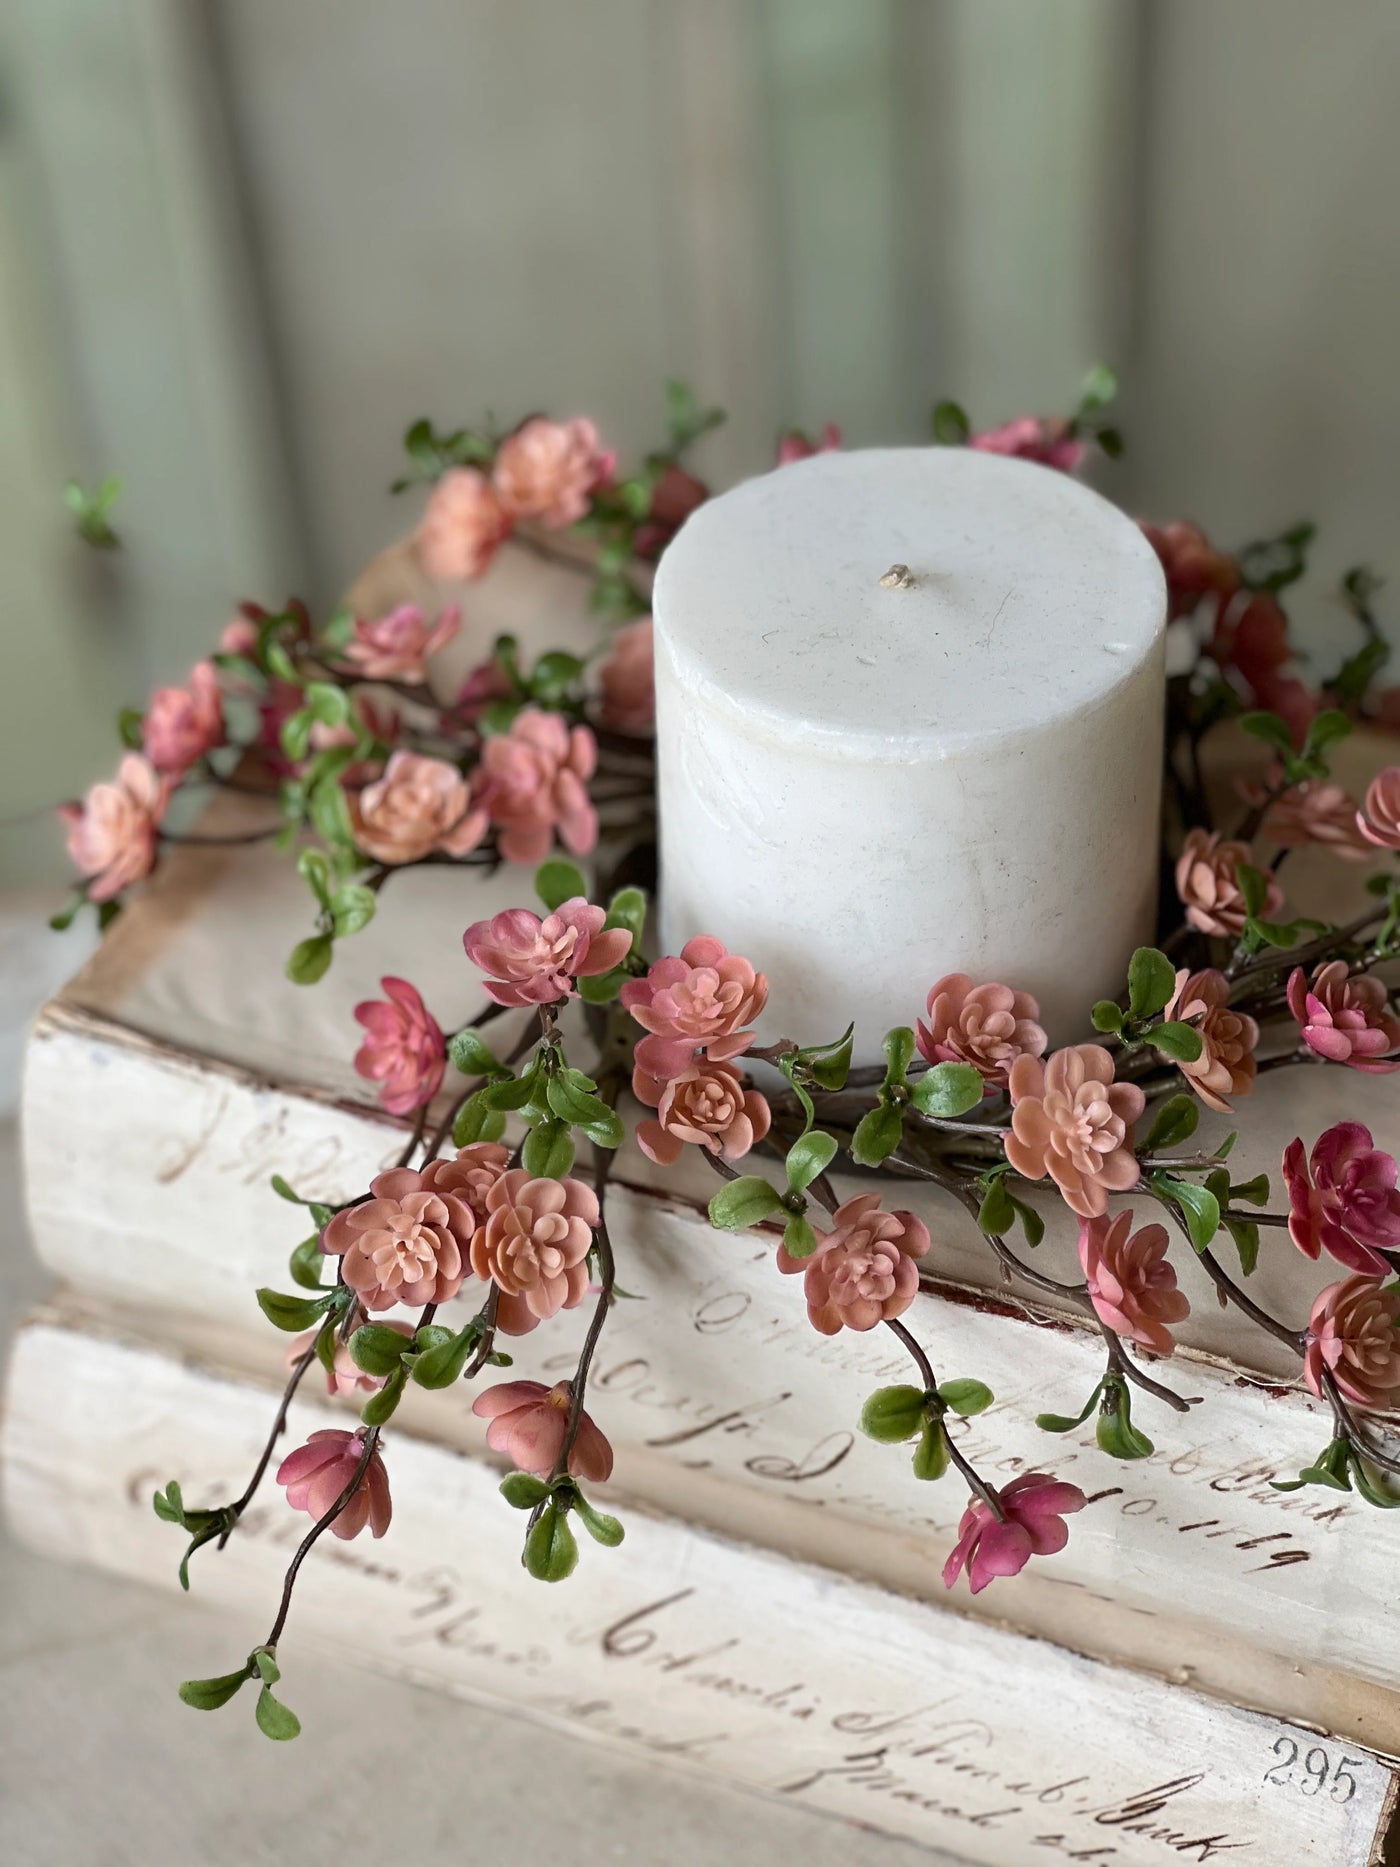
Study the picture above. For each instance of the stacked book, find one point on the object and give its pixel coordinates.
(1210, 1671)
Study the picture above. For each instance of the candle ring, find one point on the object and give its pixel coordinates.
(897, 577)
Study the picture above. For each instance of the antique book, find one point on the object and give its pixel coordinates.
(179, 1071)
(700, 1652)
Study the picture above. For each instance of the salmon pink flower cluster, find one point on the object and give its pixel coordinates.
(1071, 1120)
(1226, 1066)
(112, 834)
(533, 783)
(406, 1243)
(421, 807)
(988, 1026)
(864, 1270)
(534, 1246)
(627, 681)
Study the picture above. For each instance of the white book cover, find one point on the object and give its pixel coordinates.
(705, 1654)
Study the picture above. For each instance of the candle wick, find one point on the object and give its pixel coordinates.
(897, 577)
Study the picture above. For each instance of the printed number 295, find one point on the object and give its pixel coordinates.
(1316, 1771)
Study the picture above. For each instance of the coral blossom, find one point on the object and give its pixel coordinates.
(1194, 568)
(1035, 1506)
(534, 1247)
(463, 524)
(316, 1475)
(1346, 1020)
(701, 1000)
(184, 724)
(1379, 818)
(863, 1270)
(1226, 1065)
(706, 1104)
(796, 446)
(346, 1377)
(406, 1243)
(627, 681)
(1354, 1335)
(1049, 442)
(1131, 1284)
(420, 805)
(1207, 880)
(533, 781)
(403, 1049)
(1071, 1120)
(533, 961)
(1316, 811)
(988, 1026)
(547, 469)
(112, 833)
(398, 646)
(470, 1173)
(528, 1423)
(1343, 1198)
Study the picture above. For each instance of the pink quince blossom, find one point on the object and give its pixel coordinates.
(533, 780)
(1050, 442)
(1035, 1506)
(1226, 1066)
(707, 1105)
(1354, 1335)
(1193, 567)
(795, 445)
(534, 1247)
(1344, 1199)
(1131, 1283)
(1379, 818)
(528, 1424)
(1316, 811)
(403, 1051)
(462, 527)
(701, 1000)
(1207, 881)
(1070, 1119)
(863, 1271)
(399, 646)
(316, 1475)
(547, 469)
(988, 1026)
(533, 962)
(239, 637)
(1346, 1020)
(112, 832)
(627, 681)
(184, 724)
(406, 1243)
(419, 806)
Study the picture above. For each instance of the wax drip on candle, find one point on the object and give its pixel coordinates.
(897, 577)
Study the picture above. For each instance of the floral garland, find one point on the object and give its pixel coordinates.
(368, 775)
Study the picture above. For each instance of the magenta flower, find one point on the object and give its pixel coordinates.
(1347, 1205)
(398, 646)
(1048, 442)
(533, 782)
(707, 1105)
(1346, 1020)
(547, 469)
(1131, 1284)
(1354, 1335)
(988, 1026)
(528, 1423)
(112, 833)
(1379, 818)
(316, 1474)
(533, 962)
(627, 681)
(462, 526)
(699, 1001)
(796, 446)
(1036, 1506)
(404, 1051)
(863, 1271)
(184, 724)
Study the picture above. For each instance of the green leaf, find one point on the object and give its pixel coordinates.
(892, 1414)
(512, 1092)
(295, 734)
(558, 881)
(476, 1121)
(809, 1157)
(947, 1090)
(1246, 1236)
(1354, 677)
(1061, 1422)
(292, 1313)
(830, 1067)
(330, 813)
(966, 1397)
(329, 704)
(1253, 1192)
(628, 908)
(63, 920)
(1327, 729)
(276, 1720)
(551, 1552)
(1199, 1207)
(877, 1135)
(790, 1065)
(602, 988)
(310, 959)
(209, 1694)
(352, 907)
(743, 1202)
(1031, 1222)
(170, 1504)
(441, 1365)
(1151, 982)
(931, 1454)
(1182, 1042)
(1269, 728)
(522, 1490)
(599, 1525)
(129, 723)
(553, 675)
(997, 1214)
(380, 1407)
(1253, 884)
(1371, 1486)
(799, 1240)
(951, 426)
(576, 1105)
(284, 1191)
(468, 1053)
(1174, 1123)
(307, 1262)
(548, 1153)
(378, 1349)
(266, 1662)
(1099, 389)
(1106, 1016)
(313, 866)
(1120, 1439)
(898, 1046)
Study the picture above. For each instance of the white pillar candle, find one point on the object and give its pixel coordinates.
(867, 782)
